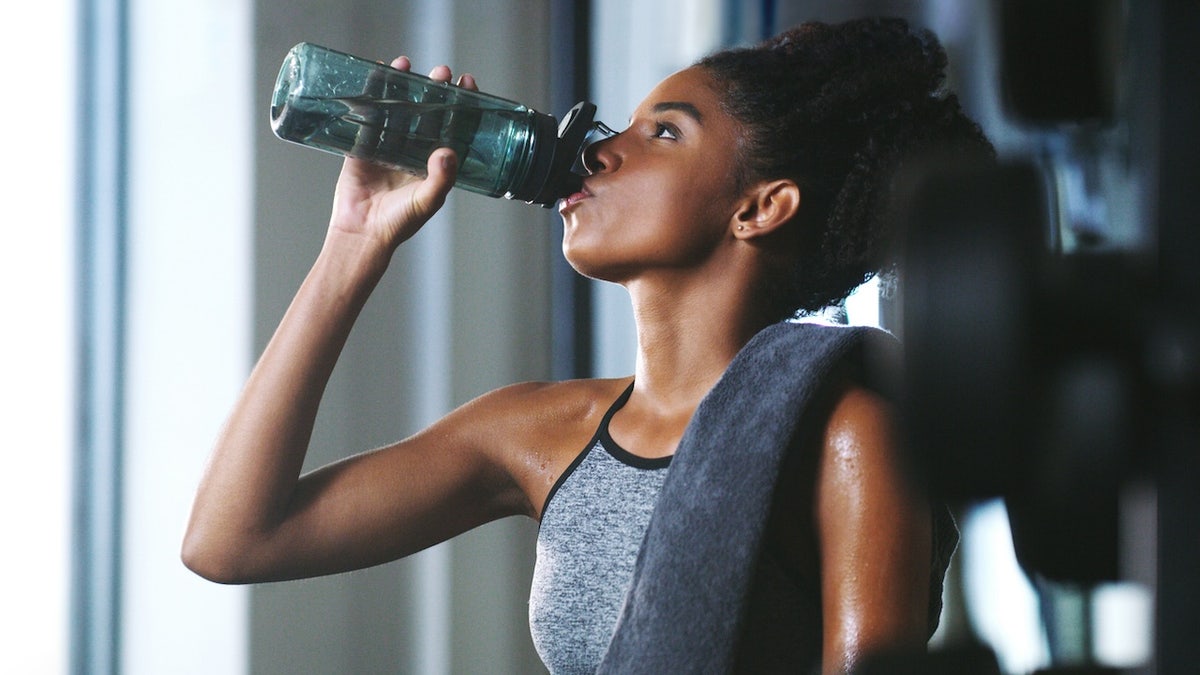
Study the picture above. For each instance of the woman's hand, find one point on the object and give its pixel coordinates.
(387, 206)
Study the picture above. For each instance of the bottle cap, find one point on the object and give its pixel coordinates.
(553, 174)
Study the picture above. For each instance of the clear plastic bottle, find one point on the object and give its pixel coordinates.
(351, 106)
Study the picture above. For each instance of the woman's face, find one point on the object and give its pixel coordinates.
(661, 194)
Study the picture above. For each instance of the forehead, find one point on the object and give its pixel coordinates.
(692, 86)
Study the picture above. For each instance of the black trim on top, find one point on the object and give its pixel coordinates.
(610, 446)
(590, 444)
(621, 454)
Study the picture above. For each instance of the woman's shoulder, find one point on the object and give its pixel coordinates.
(539, 417)
(537, 404)
(536, 429)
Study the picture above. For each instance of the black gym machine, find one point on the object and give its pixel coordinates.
(1052, 358)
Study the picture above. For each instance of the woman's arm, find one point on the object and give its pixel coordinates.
(254, 517)
(874, 535)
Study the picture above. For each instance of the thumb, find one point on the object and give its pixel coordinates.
(425, 196)
(441, 169)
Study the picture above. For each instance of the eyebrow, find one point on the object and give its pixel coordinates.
(681, 106)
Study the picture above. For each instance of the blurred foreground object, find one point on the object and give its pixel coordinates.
(1053, 358)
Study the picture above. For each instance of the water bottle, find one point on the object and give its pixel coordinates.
(351, 106)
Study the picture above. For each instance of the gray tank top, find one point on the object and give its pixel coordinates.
(592, 527)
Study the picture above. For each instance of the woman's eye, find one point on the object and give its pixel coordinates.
(665, 131)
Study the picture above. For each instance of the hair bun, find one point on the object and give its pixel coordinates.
(837, 108)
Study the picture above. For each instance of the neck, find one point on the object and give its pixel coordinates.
(687, 337)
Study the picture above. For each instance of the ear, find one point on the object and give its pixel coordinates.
(765, 208)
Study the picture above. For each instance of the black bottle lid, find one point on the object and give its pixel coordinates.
(550, 176)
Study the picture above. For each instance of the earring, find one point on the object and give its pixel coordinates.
(741, 228)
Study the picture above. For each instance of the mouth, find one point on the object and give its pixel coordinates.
(571, 200)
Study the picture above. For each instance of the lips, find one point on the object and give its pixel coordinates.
(573, 199)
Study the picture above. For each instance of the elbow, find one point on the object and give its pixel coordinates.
(211, 561)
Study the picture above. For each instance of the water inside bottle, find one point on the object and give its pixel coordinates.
(402, 133)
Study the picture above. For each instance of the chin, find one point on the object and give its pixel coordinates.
(576, 253)
(597, 254)
(580, 263)
(590, 266)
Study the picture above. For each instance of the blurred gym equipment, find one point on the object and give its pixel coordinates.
(1053, 337)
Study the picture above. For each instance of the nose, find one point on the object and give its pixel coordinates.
(597, 155)
(592, 161)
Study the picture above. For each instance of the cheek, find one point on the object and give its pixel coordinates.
(675, 199)
(660, 218)
(700, 199)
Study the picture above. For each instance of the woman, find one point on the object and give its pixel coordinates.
(747, 188)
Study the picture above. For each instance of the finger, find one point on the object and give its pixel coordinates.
(440, 74)
(467, 81)
(402, 63)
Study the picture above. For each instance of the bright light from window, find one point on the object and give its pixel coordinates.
(862, 307)
(36, 343)
(1002, 603)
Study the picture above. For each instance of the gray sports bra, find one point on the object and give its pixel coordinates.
(592, 527)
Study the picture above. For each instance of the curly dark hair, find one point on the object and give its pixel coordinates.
(838, 108)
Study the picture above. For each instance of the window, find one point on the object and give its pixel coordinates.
(36, 292)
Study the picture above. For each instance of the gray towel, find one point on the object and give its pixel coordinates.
(686, 602)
